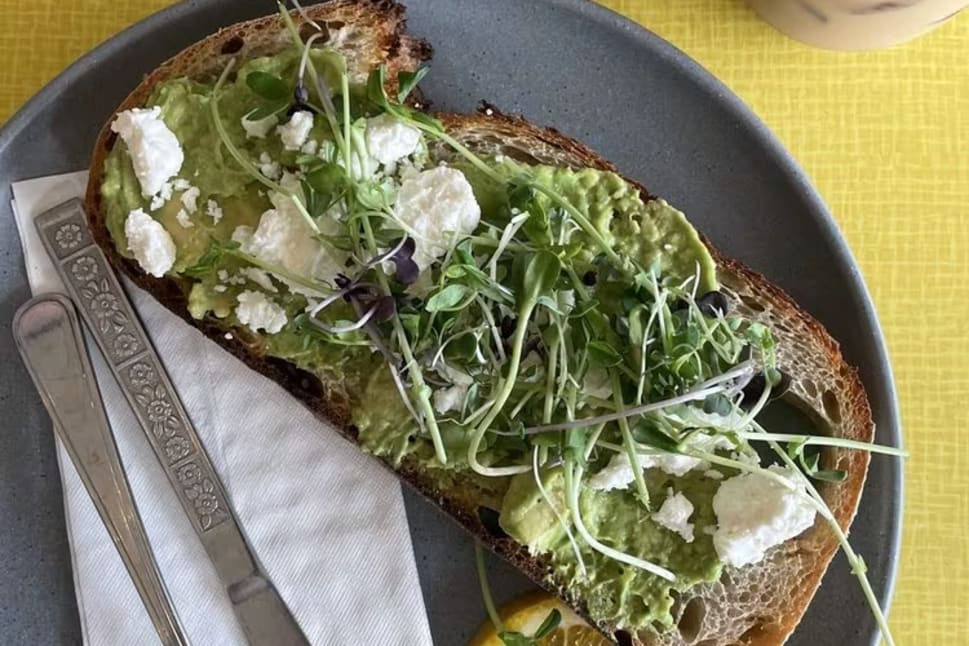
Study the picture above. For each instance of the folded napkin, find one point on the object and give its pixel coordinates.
(326, 522)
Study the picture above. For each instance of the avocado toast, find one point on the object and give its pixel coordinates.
(498, 367)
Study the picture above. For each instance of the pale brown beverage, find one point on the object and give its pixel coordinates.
(856, 24)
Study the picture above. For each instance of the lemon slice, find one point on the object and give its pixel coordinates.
(526, 614)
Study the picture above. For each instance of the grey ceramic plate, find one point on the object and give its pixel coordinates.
(565, 63)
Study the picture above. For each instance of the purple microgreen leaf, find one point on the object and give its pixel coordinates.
(407, 271)
(342, 281)
(384, 309)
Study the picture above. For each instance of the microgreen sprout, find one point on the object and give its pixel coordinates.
(627, 438)
(479, 559)
(558, 515)
(540, 275)
(305, 16)
(573, 480)
(821, 440)
(712, 387)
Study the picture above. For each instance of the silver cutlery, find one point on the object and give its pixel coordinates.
(48, 335)
(140, 373)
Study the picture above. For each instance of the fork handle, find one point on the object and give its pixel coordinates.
(48, 335)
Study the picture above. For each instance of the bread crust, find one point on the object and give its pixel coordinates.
(802, 341)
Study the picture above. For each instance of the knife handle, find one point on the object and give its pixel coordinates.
(48, 335)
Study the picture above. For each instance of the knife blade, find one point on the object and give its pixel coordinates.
(139, 371)
(48, 335)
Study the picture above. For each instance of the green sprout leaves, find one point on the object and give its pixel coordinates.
(323, 187)
(810, 464)
(603, 355)
(452, 298)
(540, 277)
(210, 261)
(646, 433)
(267, 86)
(407, 81)
(275, 94)
(548, 625)
(377, 95)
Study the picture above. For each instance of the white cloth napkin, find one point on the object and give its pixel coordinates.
(326, 522)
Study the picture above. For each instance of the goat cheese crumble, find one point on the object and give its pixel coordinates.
(296, 131)
(149, 242)
(755, 513)
(183, 220)
(674, 515)
(259, 128)
(257, 312)
(156, 155)
(435, 207)
(389, 140)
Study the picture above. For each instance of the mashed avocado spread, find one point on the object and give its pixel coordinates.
(590, 334)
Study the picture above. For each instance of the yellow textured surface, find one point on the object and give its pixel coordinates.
(884, 136)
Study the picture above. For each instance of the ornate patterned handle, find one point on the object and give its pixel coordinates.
(107, 312)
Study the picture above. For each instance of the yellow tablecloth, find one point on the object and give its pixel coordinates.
(884, 136)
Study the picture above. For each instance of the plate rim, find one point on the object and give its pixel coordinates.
(716, 91)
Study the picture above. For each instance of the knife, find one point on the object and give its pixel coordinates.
(48, 335)
(140, 373)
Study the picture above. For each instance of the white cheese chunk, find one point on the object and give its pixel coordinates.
(617, 474)
(450, 398)
(243, 235)
(755, 513)
(162, 197)
(260, 277)
(259, 128)
(674, 515)
(310, 147)
(296, 131)
(149, 242)
(389, 139)
(155, 152)
(183, 220)
(268, 167)
(436, 206)
(257, 312)
(190, 199)
(181, 184)
(284, 238)
(213, 210)
(674, 464)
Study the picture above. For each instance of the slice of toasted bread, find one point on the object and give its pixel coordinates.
(758, 604)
